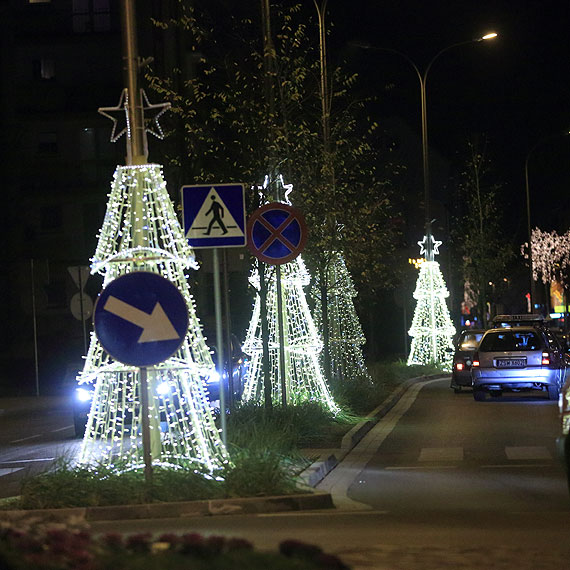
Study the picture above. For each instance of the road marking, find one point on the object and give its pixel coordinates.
(26, 438)
(419, 467)
(441, 454)
(27, 460)
(7, 471)
(62, 429)
(528, 452)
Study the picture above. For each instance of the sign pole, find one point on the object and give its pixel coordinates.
(220, 343)
(282, 375)
(147, 456)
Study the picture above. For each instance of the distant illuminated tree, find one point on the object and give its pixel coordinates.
(432, 330)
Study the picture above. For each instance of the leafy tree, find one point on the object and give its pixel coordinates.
(485, 251)
(230, 130)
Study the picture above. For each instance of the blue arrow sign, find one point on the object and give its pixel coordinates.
(214, 215)
(141, 318)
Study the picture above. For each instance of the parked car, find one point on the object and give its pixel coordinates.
(465, 345)
(518, 359)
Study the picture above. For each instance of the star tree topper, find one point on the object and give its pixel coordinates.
(429, 247)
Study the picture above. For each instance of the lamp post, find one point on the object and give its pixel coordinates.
(538, 144)
(425, 152)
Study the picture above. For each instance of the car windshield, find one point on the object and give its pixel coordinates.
(509, 341)
(469, 341)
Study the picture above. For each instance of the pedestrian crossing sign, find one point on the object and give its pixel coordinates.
(214, 215)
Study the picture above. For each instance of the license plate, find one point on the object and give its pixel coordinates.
(511, 362)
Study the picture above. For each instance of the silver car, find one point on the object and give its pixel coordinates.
(518, 359)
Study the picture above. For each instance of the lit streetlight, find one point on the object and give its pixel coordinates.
(425, 152)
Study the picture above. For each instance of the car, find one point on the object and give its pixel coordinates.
(518, 359)
(465, 345)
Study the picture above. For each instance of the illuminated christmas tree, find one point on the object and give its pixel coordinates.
(141, 233)
(346, 337)
(432, 330)
(303, 376)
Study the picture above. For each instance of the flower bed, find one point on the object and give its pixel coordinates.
(64, 548)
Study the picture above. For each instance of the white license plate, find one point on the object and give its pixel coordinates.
(511, 362)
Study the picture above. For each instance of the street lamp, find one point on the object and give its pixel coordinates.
(425, 155)
(527, 189)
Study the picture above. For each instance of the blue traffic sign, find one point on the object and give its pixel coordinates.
(214, 215)
(141, 318)
(277, 233)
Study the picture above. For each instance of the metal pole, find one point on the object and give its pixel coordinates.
(147, 456)
(34, 319)
(219, 343)
(282, 375)
(532, 285)
(137, 153)
(82, 308)
(228, 327)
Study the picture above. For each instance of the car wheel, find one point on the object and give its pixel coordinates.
(478, 395)
(552, 392)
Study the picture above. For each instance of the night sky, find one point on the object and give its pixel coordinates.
(514, 89)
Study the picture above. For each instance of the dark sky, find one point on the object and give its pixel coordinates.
(515, 89)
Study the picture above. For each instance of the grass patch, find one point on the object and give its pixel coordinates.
(264, 445)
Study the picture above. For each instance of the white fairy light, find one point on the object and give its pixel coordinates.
(183, 431)
(432, 329)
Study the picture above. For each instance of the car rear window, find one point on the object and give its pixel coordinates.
(510, 341)
(470, 341)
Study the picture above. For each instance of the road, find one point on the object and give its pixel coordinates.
(441, 482)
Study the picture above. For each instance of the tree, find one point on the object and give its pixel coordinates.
(224, 118)
(485, 251)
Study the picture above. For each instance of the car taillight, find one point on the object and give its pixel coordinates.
(459, 366)
(475, 363)
(545, 358)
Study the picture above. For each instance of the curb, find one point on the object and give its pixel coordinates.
(241, 506)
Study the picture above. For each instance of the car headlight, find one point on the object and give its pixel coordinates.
(83, 395)
(213, 377)
(163, 389)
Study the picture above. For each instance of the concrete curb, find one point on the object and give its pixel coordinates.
(308, 479)
(250, 505)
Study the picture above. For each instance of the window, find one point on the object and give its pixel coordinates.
(47, 143)
(91, 16)
(43, 69)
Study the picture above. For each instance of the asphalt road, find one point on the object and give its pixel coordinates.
(441, 482)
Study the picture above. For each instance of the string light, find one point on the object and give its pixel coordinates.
(182, 426)
(346, 337)
(301, 343)
(432, 330)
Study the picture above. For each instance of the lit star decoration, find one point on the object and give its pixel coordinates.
(141, 232)
(432, 329)
(346, 337)
(303, 374)
(425, 249)
(120, 115)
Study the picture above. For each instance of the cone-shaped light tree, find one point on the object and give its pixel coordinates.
(346, 337)
(300, 368)
(432, 329)
(141, 232)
